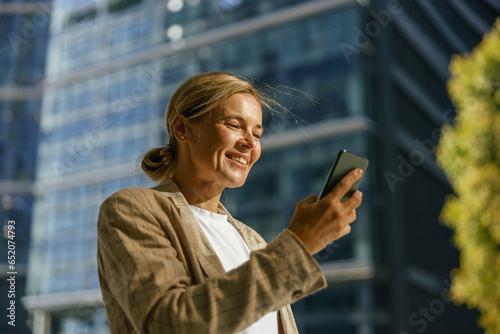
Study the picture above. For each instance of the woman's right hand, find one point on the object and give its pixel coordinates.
(318, 223)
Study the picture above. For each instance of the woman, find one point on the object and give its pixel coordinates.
(171, 259)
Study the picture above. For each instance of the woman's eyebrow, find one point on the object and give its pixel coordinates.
(241, 119)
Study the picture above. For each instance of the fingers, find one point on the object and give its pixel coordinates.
(342, 227)
(346, 231)
(345, 184)
(351, 217)
(354, 201)
(317, 223)
(310, 199)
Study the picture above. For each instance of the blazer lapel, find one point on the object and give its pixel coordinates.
(206, 255)
(203, 250)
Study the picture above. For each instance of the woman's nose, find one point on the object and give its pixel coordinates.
(249, 140)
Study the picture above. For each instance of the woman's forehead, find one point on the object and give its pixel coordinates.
(242, 104)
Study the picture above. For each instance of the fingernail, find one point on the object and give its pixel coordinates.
(359, 171)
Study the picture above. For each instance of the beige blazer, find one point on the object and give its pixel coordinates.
(159, 274)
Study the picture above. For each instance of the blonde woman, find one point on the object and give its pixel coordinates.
(172, 259)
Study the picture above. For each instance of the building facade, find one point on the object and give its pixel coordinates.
(410, 54)
(24, 32)
(111, 69)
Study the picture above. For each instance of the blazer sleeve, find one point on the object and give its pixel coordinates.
(151, 285)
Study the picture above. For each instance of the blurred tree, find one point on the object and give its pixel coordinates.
(469, 153)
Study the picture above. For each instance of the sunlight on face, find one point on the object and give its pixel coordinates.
(226, 142)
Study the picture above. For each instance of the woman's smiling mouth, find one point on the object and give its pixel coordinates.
(238, 161)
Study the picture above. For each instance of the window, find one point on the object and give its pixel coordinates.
(130, 31)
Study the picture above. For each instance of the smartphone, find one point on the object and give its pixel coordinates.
(346, 161)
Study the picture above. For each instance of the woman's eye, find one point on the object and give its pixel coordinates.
(235, 126)
(256, 135)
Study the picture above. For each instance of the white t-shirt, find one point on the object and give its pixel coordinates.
(232, 252)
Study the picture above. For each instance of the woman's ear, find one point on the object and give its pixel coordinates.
(179, 125)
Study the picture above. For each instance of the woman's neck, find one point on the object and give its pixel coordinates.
(203, 195)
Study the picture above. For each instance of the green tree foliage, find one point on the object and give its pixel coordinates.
(469, 153)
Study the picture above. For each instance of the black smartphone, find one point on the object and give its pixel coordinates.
(346, 161)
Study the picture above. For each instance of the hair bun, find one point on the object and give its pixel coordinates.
(157, 163)
(167, 153)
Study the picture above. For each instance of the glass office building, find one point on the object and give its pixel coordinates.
(111, 69)
(24, 31)
(408, 71)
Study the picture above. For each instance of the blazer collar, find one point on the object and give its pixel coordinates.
(206, 254)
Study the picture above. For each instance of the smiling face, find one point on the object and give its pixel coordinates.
(224, 144)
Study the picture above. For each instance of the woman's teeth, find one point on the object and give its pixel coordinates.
(239, 159)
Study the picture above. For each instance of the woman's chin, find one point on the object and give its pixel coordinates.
(236, 183)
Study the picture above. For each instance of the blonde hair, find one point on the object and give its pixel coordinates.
(197, 96)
